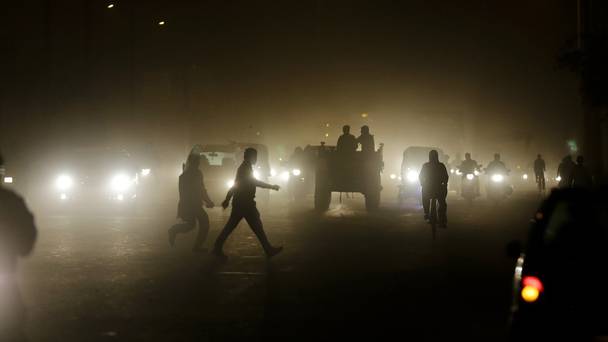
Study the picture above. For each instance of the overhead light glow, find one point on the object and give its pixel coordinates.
(111, 6)
(161, 23)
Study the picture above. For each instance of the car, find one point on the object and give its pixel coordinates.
(348, 172)
(92, 177)
(560, 282)
(219, 163)
(413, 159)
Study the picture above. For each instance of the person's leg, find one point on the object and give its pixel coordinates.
(442, 210)
(425, 204)
(203, 229)
(542, 179)
(252, 215)
(235, 217)
(178, 228)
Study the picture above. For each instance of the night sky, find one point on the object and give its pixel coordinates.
(462, 75)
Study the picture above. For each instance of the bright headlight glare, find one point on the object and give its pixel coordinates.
(145, 172)
(451, 170)
(476, 173)
(393, 176)
(497, 178)
(273, 172)
(470, 176)
(256, 174)
(121, 183)
(525, 176)
(558, 178)
(230, 184)
(412, 176)
(8, 180)
(296, 172)
(458, 172)
(64, 182)
(285, 176)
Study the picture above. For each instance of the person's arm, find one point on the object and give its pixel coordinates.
(263, 185)
(446, 175)
(229, 195)
(205, 194)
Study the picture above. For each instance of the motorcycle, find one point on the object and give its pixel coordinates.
(498, 188)
(470, 186)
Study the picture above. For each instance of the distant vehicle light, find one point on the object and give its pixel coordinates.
(273, 172)
(532, 288)
(256, 174)
(476, 173)
(497, 178)
(525, 176)
(111, 6)
(393, 176)
(470, 176)
(121, 183)
(296, 172)
(412, 176)
(285, 176)
(230, 184)
(558, 178)
(8, 180)
(458, 172)
(64, 182)
(145, 172)
(63, 196)
(161, 23)
(451, 170)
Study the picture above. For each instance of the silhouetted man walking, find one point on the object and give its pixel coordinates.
(366, 140)
(346, 142)
(17, 237)
(434, 180)
(192, 194)
(539, 172)
(243, 206)
(580, 177)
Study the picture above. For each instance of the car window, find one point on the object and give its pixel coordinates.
(219, 158)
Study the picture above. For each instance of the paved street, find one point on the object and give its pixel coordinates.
(346, 273)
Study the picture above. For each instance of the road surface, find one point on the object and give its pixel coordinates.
(346, 273)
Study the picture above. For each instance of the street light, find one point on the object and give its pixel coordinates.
(161, 23)
(111, 6)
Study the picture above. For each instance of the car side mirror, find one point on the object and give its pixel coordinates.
(514, 249)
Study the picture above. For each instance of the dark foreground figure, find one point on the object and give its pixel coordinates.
(243, 206)
(434, 181)
(192, 194)
(17, 237)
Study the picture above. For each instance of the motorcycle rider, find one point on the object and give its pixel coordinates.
(564, 170)
(469, 166)
(497, 166)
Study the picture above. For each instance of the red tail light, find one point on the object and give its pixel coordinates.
(532, 287)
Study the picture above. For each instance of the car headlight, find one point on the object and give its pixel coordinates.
(393, 176)
(256, 174)
(230, 184)
(121, 183)
(558, 178)
(64, 182)
(497, 178)
(273, 172)
(412, 176)
(458, 172)
(145, 172)
(470, 176)
(476, 173)
(8, 180)
(525, 176)
(285, 176)
(451, 170)
(296, 172)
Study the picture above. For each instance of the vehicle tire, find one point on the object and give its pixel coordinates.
(372, 200)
